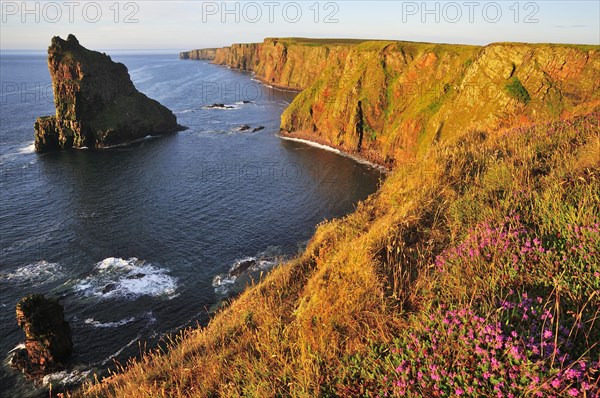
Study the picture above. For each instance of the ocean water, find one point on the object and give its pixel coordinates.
(137, 241)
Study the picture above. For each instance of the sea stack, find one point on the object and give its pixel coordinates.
(97, 105)
(48, 341)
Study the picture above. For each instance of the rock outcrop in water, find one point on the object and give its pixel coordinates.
(413, 94)
(48, 341)
(97, 105)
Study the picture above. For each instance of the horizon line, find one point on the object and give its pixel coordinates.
(597, 44)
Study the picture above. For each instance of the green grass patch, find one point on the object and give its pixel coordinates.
(516, 90)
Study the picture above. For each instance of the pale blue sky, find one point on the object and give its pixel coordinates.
(180, 25)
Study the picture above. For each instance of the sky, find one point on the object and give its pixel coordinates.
(184, 25)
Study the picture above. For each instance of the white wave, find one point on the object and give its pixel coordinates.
(11, 354)
(39, 272)
(337, 151)
(149, 316)
(28, 149)
(313, 144)
(129, 279)
(120, 350)
(184, 111)
(223, 283)
(240, 271)
(253, 264)
(15, 153)
(66, 378)
(20, 346)
(98, 324)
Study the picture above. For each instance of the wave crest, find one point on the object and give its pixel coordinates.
(129, 279)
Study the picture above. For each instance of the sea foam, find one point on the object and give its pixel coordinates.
(28, 149)
(39, 272)
(240, 272)
(129, 279)
(98, 324)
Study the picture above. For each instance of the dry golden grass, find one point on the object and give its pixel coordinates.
(362, 276)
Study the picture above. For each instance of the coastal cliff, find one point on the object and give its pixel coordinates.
(413, 94)
(97, 105)
(207, 54)
(292, 64)
(473, 271)
(409, 95)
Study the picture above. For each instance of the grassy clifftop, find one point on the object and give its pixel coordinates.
(473, 271)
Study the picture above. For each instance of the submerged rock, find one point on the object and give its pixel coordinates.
(247, 128)
(241, 266)
(97, 105)
(219, 106)
(48, 341)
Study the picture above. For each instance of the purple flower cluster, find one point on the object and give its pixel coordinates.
(508, 244)
(582, 245)
(518, 253)
(460, 353)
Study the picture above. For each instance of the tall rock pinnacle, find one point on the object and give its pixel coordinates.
(97, 105)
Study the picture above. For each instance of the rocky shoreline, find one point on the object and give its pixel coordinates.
(370, 159)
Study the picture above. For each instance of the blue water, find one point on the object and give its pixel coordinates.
(131, 238)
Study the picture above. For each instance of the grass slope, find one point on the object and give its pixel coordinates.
(474, 271)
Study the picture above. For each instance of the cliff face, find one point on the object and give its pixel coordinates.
(286, 63)
(238, 56)
(388, 101)
(207, 54)
(96, 102)
(414, 94)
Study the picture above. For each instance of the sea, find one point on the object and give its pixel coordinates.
(137, 241)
